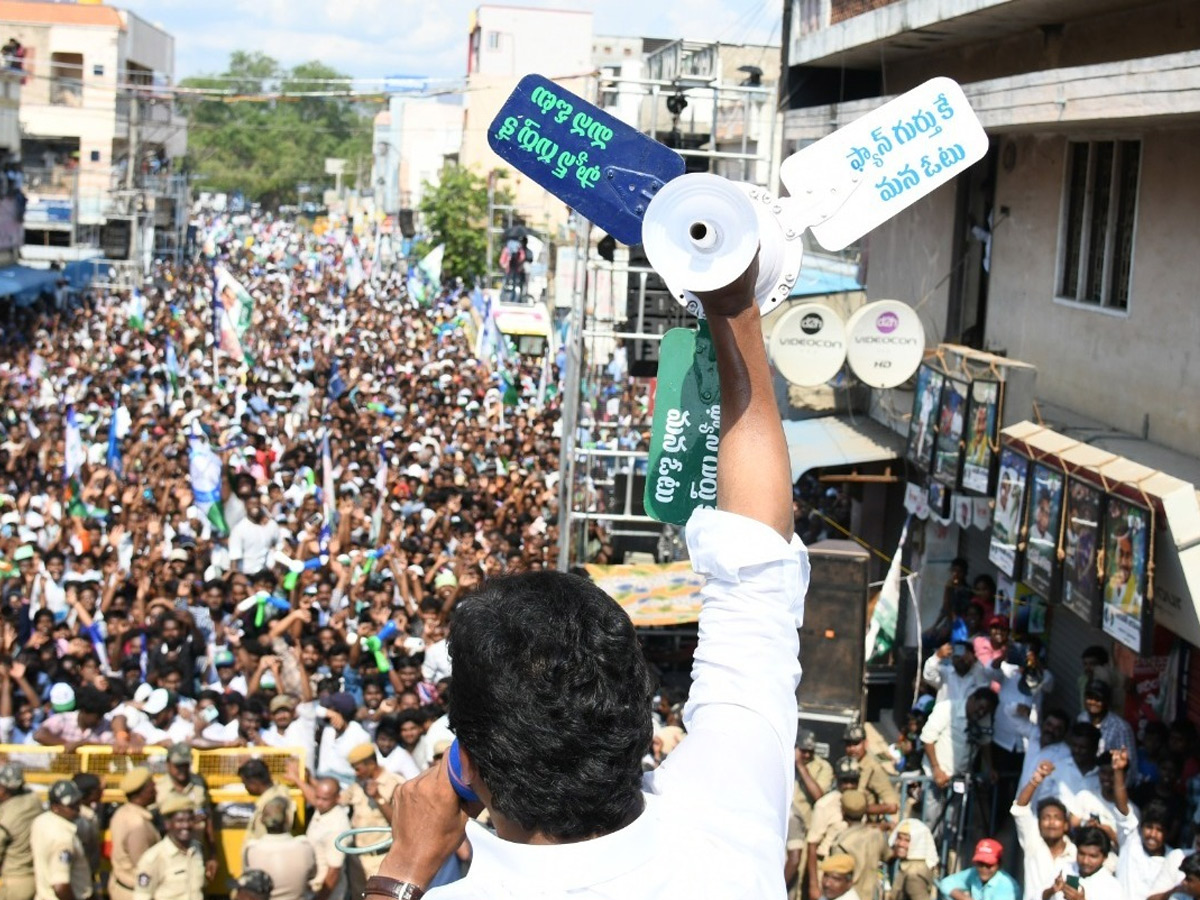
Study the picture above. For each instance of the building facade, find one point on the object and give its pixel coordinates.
(1067, 247)
(100, 139)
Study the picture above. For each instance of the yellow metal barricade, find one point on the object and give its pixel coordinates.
(232, 805)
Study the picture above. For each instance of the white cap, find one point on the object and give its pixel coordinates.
(157, 702)
(143, 692)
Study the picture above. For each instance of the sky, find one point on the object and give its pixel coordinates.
(373, 38)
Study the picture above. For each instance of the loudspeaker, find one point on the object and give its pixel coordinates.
(116, 236)
(405, 220)
(832, 640)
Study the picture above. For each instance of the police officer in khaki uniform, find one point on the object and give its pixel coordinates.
(256, 778)
(827, 821)
(174, 868)
(814, 779)
(133, 831)
(862, 840)
(60, 866)
(290, 861)
(180, 781)
(19, 806)
(370, 801)
(882, 798)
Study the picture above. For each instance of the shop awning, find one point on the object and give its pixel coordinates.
(25, 283)
(653, 594)
(1176, 503)
(839, 441)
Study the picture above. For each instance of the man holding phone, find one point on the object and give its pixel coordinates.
(1090, 881)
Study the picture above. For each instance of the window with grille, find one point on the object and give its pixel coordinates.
(1099, 212)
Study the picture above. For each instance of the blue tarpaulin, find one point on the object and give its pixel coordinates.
(823, 275)
(24, 283)
(817, 283)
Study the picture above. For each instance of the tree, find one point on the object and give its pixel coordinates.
(454, 213)
(266, 147)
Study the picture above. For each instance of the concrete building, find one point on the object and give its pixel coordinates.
(505, 43)
(413, 139)
(98, 140)
(1069, 247)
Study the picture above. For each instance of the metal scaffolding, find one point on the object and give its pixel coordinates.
(619, 305)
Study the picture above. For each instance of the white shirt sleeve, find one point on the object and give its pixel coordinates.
(932, 671)
(237, 549)
(741, 713)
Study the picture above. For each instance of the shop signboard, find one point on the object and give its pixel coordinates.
(1042, 528)
(948, 452)
(1081, 542)
(922, 427)
(1126, 552)
(1006, 519)
(980, 451)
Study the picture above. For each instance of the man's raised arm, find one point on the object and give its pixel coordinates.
(753, 471)
(741, 710)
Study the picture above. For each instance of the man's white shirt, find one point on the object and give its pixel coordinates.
(699, 835)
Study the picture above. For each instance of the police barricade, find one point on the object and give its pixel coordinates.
(232, 806)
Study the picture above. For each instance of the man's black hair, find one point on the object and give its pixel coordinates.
(1091, 836)
(1096, 652)
(1191, 865)
(1055, 803)
(550, 699)
(87, 782)
(1085, 730)
(1156, 812)
(988, 695)
(92, 700)
(254, 770)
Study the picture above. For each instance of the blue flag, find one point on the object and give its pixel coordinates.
(113, 457)
(337, 386)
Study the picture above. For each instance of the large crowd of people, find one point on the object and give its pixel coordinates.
(262, 548)
(992, 790)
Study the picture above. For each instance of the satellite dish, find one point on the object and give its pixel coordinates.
(808, 344)
(885, 343)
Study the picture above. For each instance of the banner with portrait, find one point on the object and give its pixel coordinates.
(948, 452)
(1006, 517)
(1126, 553)
(922, 427)
(1044, 521)
(981, 436)
(1081, 541)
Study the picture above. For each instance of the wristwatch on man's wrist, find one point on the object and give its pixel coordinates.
(391, 888)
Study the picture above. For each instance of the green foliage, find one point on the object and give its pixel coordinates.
(454, 213)
(266, 148)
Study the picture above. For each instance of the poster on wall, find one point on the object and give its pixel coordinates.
(948, 451)
(981, 436)
(1081, 540)
(1006, 518)
(1045, 518)
(922, 427)
(1028, 611)
(1126, 551)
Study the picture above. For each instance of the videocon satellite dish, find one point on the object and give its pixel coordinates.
(885, 342)
(808, 344)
